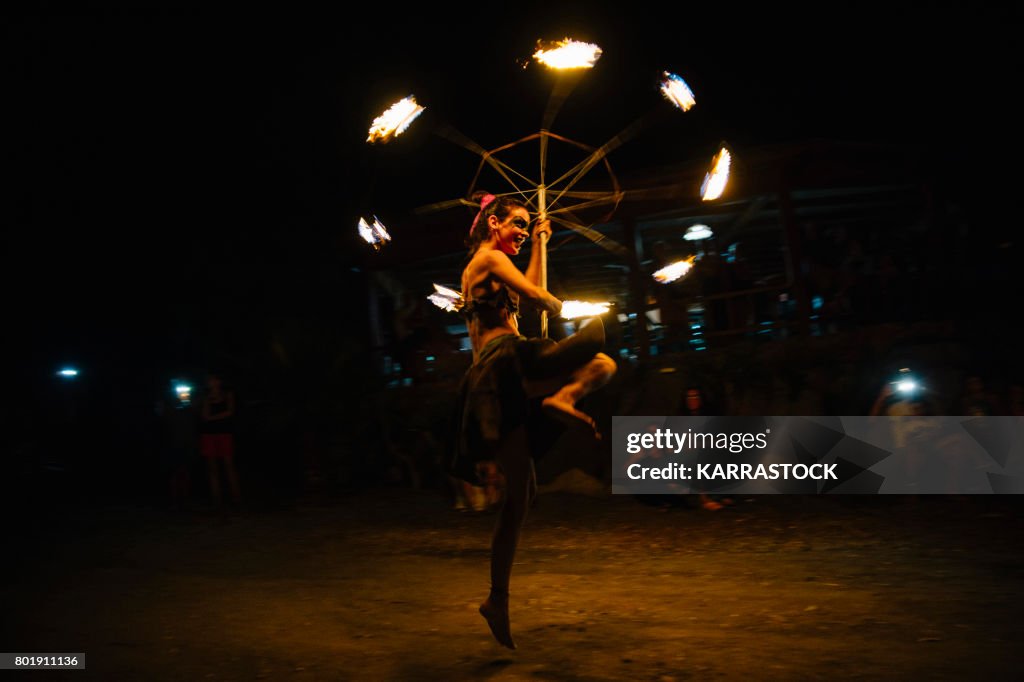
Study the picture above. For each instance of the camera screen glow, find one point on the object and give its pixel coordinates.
(906, 386)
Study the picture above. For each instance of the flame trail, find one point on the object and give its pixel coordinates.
(446, 299)
(567, 54)
(716, 178)
(677, 91)
(674, 271)
(574, 309)
(376, 235)
(395, 120)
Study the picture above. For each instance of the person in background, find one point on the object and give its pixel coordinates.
(694, 406)
(977, 400)
(179, 437)
(217, 438)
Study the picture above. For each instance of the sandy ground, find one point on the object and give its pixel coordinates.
(384, 585)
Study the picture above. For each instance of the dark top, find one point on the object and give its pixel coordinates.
(226, 425)
(502, 299)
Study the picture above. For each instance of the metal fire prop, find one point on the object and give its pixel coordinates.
(556, 199)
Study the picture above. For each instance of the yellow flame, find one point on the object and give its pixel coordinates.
(375, 234)
(574, 309)
(395, 120)
(380, 230)
(567, 54)
(677, 91)
(445, 291)
(442, 303)
(716, 178)
(674, 271)
(446, 299)
(366, 232)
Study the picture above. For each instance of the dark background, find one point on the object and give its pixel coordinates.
(181, 189)
(165, 161)
(184, 182)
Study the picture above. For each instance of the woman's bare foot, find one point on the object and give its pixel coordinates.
(495, 612)
(565, 412)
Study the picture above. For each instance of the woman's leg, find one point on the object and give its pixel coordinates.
(213, 474)
(222, 447)
(567, 371)
(520, 487)
(585, 380)
(232, 476)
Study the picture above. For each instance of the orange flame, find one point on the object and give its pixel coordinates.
(674, 271)
(716, 178)
(395, 120)
(567, 54)
(677, 91)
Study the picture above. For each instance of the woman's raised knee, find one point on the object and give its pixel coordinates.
(605, 364)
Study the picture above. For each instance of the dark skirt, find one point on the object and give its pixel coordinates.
(492, 400)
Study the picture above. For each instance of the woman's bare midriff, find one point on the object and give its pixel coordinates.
(480, 335)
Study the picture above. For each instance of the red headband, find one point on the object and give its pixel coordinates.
(485, 201)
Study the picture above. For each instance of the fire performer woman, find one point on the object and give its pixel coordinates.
(508, 371)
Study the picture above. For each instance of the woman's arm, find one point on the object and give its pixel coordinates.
(543, 227)
(500, 266)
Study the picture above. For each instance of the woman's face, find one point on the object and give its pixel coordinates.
(511, 232)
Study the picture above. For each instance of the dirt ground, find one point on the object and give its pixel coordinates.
(384, 585)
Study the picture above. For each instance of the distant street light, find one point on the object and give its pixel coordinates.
(698, 232)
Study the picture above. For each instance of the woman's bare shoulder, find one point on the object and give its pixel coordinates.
(480, 267)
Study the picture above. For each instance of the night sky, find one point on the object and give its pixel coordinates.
(184, 182)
